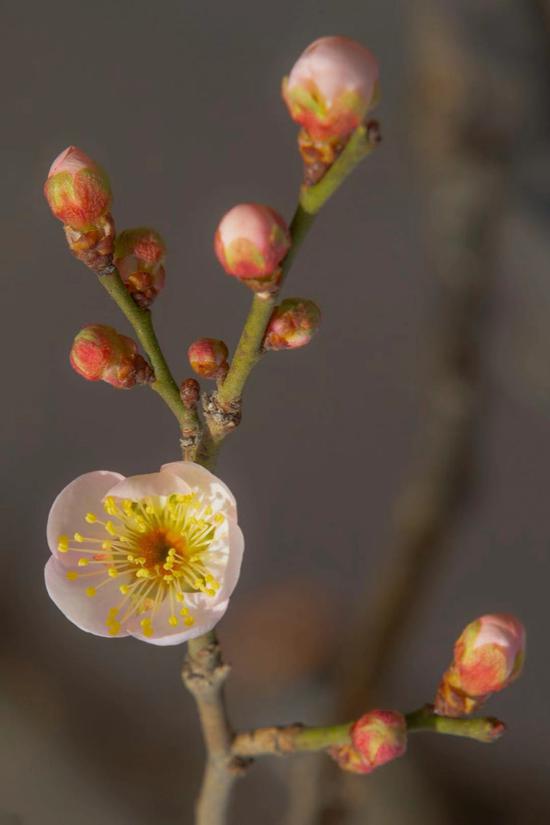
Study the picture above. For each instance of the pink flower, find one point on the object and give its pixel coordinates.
(377, 737)
(152, 556)
(251, 241)
(139, 257)
(77, 190)
(293, 324)
(331, 87)
(488, 656)
(100, 353)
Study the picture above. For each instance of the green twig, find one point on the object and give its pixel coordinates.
(141, 321)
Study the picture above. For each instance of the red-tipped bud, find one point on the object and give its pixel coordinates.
(190, 392)
(377, 737)
(77, 190)
(100, 353)
(293, 324)
(488, 656)
(331, 87)
(251, 241)
(208, 357)
(139, 256)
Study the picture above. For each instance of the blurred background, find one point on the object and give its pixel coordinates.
(407, 445)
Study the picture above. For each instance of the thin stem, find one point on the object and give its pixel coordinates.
(204, 674)
(141, 321)
(281, 741)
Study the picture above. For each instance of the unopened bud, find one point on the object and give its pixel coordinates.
(190, 393)
(250, 242)
(77, 190)
(293, 324)
(208, 357)
(331, 87)
(139, 257)
(488, 656)
(377, 737)
(100, 353)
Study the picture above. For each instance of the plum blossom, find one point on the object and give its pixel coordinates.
(152, 556)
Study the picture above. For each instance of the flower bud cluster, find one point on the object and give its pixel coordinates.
(488, 656)
(377, 737)
(139, 257)
(100, 353)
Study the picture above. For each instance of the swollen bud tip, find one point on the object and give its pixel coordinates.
(377, 737)
(488, 656)
(139, 257)
(77, 189)
(100, 353)
(208, 357)
(293, 324)
(250, 243)
(331, 87)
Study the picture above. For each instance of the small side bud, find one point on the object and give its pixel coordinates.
(293, 324)
(100, 353)
(139, 257)
(208, 357)
(190, 392)
(488, 656)
(377, 737)
(77, 190)
(250, 243)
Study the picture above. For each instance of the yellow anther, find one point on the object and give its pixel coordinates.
(63, 544)
(71, 575)
(79, 537)
(110, 527)
(107, 545)
(130, 557)
(91, 518)
(179, 597)
(184, 611)
(142, 573)
(83, 562)
(140, 559)
(173, 620)
(124, 589)
(168, 578)
(114, 628)
(109, 505)
(113, 612)
(91, 591)
(113, 572)
(210, 591)
(218, 518)
(189, 621)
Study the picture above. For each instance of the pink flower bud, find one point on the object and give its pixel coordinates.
(139, 257)
(488, 656)
(251, 241)
(331, 87)
(77, 190)
(293, 324)
(208, 357)
(100, 353)
(377, 737)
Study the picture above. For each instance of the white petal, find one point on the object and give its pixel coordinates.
(81, 496)
(231, 573)
(201, 479)
(87, 613)
(152, 484)
(205, 620)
